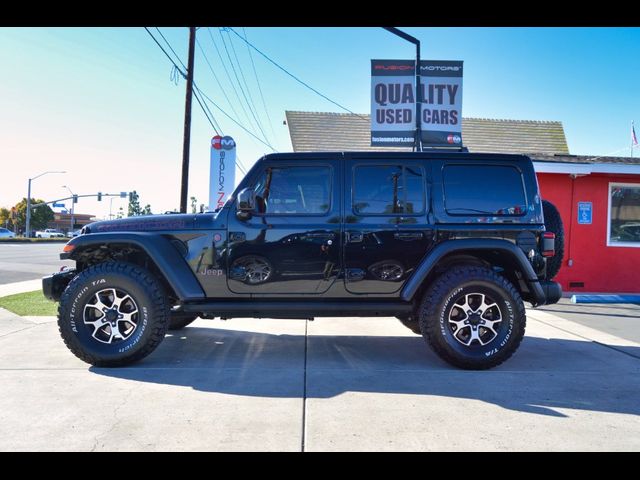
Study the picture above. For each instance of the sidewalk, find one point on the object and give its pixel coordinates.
(20, 287)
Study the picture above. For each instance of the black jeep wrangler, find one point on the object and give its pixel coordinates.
(451, 243)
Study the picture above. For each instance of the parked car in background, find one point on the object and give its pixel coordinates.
(6, 233)
(74, 233)
(49, 233)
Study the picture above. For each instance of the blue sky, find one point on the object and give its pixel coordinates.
(99, 103)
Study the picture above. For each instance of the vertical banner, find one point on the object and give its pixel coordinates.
(393, 103)
(222, 173)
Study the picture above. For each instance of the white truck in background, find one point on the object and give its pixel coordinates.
(49, 233)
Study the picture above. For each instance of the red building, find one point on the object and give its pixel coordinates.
(599, 201)
(62, 221)
(598, 197)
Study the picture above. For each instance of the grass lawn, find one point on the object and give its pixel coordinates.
(30, 303)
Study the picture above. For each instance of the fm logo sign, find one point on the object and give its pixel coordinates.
(222, 143)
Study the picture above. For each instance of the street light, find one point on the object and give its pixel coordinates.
(73, 207)
(28, 225)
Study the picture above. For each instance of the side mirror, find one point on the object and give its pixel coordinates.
(246, 203)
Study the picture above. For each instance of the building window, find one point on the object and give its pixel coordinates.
(388, 190)
(624, 215)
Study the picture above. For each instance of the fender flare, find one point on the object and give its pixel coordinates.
(447, 247)
(173, 267)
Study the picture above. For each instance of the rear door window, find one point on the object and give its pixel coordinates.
(484, 190)
(388, 190)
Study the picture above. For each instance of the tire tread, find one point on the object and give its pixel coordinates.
(142, 277)
(429, 314)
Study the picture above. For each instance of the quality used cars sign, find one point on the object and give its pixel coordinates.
(393, 102)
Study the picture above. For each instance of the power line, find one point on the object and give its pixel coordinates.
(197, 91)
(206, 59)
(168, 56)
(176, 70)
(264, 104)
(252, 109)
(235, 90)
(296, 78)
(170, 47)
(233, 120)
(224, 43)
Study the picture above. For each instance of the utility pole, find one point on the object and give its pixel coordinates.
(187, 123)
(416, 42)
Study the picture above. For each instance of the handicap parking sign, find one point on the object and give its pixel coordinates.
(585, 213)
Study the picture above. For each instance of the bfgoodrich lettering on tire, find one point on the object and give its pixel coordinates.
(472, 317)
(113, 314)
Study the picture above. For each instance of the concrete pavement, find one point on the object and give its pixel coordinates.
(348, 384)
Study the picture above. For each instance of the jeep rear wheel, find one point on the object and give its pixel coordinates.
(113, 314)
(472, 317)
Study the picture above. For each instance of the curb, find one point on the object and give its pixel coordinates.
(20, 287)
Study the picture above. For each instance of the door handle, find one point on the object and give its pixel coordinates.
(354, 237)
(408, 236)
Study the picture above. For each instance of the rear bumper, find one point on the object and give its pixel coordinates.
(545, 292)
(54, 285)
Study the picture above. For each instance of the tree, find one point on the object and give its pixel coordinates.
(5, 214)
(40, 216)
(194, 205)
(134, 204)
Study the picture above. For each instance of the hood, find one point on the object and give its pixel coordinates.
(145, 223)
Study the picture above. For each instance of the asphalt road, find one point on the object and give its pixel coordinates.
(29, 261)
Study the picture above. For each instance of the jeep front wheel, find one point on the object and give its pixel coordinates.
(113, 314)
(472, 317)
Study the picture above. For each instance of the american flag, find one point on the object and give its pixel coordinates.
(634, 139)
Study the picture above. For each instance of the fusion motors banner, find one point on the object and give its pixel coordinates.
(393, 106)
(222, 170)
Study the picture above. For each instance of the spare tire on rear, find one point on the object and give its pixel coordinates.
(553, 223)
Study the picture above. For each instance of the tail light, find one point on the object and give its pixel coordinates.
(548, 244)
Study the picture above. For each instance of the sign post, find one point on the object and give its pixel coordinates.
(222, 173)
(393, 99)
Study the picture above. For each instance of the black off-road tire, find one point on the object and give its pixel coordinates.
(411, 323)
(152, 320)
(177, 322)
(450, 288)
(553, 223)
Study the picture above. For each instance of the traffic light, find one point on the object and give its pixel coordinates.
(75, 199)
(99, 196)
(130, 196)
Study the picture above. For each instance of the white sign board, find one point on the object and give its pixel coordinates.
(393, 103)
(222, 174)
